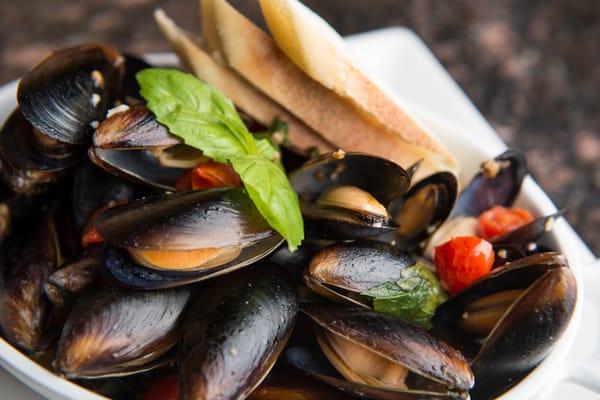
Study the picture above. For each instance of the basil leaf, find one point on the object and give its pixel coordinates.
(169, 90)
(207, 134)
(414, 297)
(269, 189)
(207, 120)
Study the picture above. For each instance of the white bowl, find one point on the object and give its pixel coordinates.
(471, 153)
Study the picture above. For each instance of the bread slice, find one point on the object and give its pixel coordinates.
(316, 48)
(255, 56)
(246, 97)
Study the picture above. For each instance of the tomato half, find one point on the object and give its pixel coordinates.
(209, 175)
(463, 260)
(499, 220)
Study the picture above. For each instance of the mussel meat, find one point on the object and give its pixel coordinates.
(345, 195)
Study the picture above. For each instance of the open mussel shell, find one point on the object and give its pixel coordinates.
(70, 90)
(342, 271)
(429, 367)
(137, 166)
(29, 258)
(133, 128)
(93, 188)
(423, 209)
(114, 332)
(221, 223)
(520, 309)
(234, 333)
(498, 183)
(523, 241)
(345, 195)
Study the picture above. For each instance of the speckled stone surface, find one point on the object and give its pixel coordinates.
(532, 67)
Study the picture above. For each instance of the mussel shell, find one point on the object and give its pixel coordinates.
(311, 361)
(523, 241)
(399, 342)
(182, 221)
(113, 331)
(18, 147)
(134, 128)
(58, 96)
(64, 285)
(379, 177)
(13, 208)
(483, 193)
(233, 334)
(526, 334)
(93, 188)
(31, 256)
(354, 267)
(295, 263)
(27, 182)
(137, 166)
(436, 196)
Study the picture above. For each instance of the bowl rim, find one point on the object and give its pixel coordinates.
(51, 385)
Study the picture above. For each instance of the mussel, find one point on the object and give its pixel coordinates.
(380, 357)
(519, 311)
(498, 183)
(131, 144)
(345, 195)
(423, 209)
(174, 239)
(114, 332)
(234, 333)
(343, 271)
(30, 257)
(64, 285)
(69, 92)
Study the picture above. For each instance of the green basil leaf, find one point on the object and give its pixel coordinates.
(269, 189)
(414, 297)
(207, 120)
(207, 134)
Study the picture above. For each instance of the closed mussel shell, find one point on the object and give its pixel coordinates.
(342, 271)
(233, 334)
(70, 90)
(113, 331)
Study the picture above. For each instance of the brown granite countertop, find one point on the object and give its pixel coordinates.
(532, 67)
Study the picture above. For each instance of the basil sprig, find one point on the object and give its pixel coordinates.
(207, 120)
(413, 297)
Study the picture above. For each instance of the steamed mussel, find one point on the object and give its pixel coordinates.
(135, 271)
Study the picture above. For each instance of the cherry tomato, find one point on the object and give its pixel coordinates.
(209, 175)
(463, 260)
(499, 220)
(166, 388)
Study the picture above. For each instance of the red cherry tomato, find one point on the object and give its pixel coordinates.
(462, 261)
(209, 175)
(166, 388)
(499, 220)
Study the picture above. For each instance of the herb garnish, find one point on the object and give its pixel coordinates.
(414, 297)
(207, 120)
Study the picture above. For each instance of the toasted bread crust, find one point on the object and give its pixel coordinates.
(255, 56)
(319, 51)
(243, 94)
